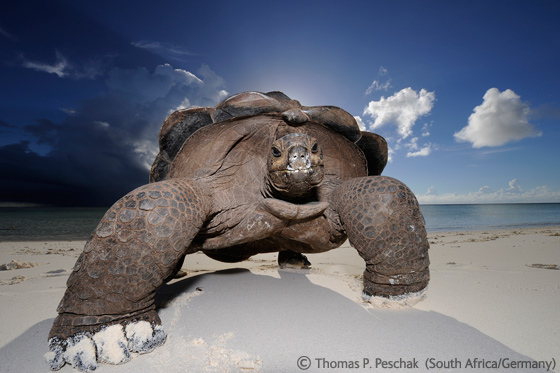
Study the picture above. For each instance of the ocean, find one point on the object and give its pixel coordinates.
(69, 224)
(48, 223)
(441, 218)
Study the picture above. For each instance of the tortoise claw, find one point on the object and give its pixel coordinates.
(113, 344)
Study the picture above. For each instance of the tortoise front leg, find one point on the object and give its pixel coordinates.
(108, 309)
(384, 223)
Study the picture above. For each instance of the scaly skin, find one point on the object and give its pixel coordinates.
(383, 222)
(135, 247)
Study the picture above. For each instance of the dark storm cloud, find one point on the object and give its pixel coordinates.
(106, 147)
(7, 130)
(44, 131)
(4, 125)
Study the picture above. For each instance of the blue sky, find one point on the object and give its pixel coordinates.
(465, 92)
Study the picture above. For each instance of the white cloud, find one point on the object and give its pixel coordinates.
(58, 68)
(390, 153)
(414, 150)
(501, 118)
(169, 50)
(485, 190)
(513, 194)
(213, 84)
(423, 152)
(102, 124)
(69, 111)
(141, 85)
(426, 129)
(376, 85)
(514, 187)
(222, 94)
(413, 144)
(185, 104)
(402, 109)
(432, 191)
(361, 123)
(62, 68)
(150, 97)
(179, 76)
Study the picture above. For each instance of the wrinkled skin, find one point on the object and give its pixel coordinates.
(295, 165)
(258, 173)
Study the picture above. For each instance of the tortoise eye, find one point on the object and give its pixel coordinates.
(315, 148)
(276, 152)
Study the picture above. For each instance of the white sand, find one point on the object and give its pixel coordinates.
(484, 302)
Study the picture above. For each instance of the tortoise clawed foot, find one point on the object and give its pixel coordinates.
(292, 259)
(111, 344)
(78, 350)
(387, 289)
(405, 300)
(144, 337)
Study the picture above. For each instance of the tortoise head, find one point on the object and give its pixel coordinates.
(295, 165)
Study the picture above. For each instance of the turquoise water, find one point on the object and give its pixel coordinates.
(46, 223)
(490, 216)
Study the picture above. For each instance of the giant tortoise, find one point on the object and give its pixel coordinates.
(258, 173)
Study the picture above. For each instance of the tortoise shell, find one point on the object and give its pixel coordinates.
(215, 131)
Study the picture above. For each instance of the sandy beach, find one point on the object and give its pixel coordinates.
(493, 297)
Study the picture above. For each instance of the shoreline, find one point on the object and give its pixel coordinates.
(483, 279)
(443, 231)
